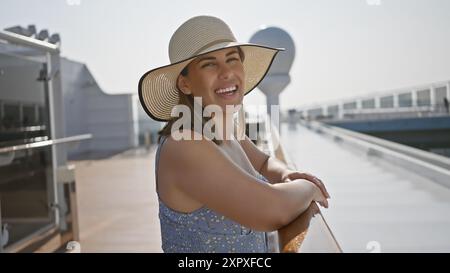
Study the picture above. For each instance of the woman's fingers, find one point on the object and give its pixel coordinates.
(318, 182)
(324, 203)
(319, 197)
(324, 189)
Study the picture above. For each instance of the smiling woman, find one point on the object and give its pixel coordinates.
(217, 78)
(226, 65)
(217, 195)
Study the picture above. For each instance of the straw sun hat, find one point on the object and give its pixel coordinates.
(158, 92)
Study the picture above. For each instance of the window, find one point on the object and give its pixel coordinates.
(350, 105)
(387, 102)
(423, 98)
(441, 93)
(405, 100)
(368, 104)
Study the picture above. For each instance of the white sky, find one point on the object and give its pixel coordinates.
(345, 48)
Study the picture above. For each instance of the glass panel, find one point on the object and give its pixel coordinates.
(29, 115)
(368, 104)
(423, 98)
(441, 93)
(405, 100)
(25, 192)
(26, 176)
(315, 112)
(333, 111)
(387, 102)
(350, 105)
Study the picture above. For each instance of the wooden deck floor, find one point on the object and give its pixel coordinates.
(118, 206)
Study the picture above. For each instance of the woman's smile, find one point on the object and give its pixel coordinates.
(228, 92)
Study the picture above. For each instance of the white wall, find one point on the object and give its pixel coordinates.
(111, 119)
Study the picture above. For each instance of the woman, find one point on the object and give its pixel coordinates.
(217, 191)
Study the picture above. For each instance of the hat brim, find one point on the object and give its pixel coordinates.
(157, 89)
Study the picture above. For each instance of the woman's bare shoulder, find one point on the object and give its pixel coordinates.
(190, 152)
(182, 143)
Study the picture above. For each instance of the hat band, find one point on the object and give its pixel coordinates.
(211, 44)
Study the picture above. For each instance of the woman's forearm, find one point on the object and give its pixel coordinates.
(274, 170)
(294, 198)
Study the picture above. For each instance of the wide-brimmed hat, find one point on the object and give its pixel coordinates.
(158, 92)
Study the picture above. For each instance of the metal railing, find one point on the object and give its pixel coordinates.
(425, 164)
(437, 110)
(44, 143)
(398, 112)
(15, 38)
(429, 157)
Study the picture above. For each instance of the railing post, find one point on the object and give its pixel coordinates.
(414, 98)
(341, 110)
(448, 90)
(377, 102)
(396, 104)
(433, 98)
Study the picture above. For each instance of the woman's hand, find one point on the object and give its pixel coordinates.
(319, 197)
(293, 175)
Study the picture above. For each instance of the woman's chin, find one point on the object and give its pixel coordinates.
(232, 106)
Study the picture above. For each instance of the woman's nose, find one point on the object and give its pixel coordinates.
(225, 72)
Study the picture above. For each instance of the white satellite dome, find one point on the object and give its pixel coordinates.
(278, 77)
(277, 37)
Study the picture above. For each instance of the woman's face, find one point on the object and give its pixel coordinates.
(217, 77)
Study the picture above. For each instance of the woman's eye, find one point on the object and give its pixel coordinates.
(233, 59)
(208, 64)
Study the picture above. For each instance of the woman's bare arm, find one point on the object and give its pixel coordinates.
(276, 171)
(202, 171)
(273, 169)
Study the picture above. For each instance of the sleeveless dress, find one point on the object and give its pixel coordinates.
(205, 230)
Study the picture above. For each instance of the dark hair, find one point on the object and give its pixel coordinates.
(184, 72)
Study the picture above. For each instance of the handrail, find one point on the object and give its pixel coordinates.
(410, 162)
(409, 109)
(375, 94)
(27, 41)
(309, 232)
(435, 159)
(33, 128)
(44, 143)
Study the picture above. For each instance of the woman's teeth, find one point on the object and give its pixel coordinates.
(226, 90)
